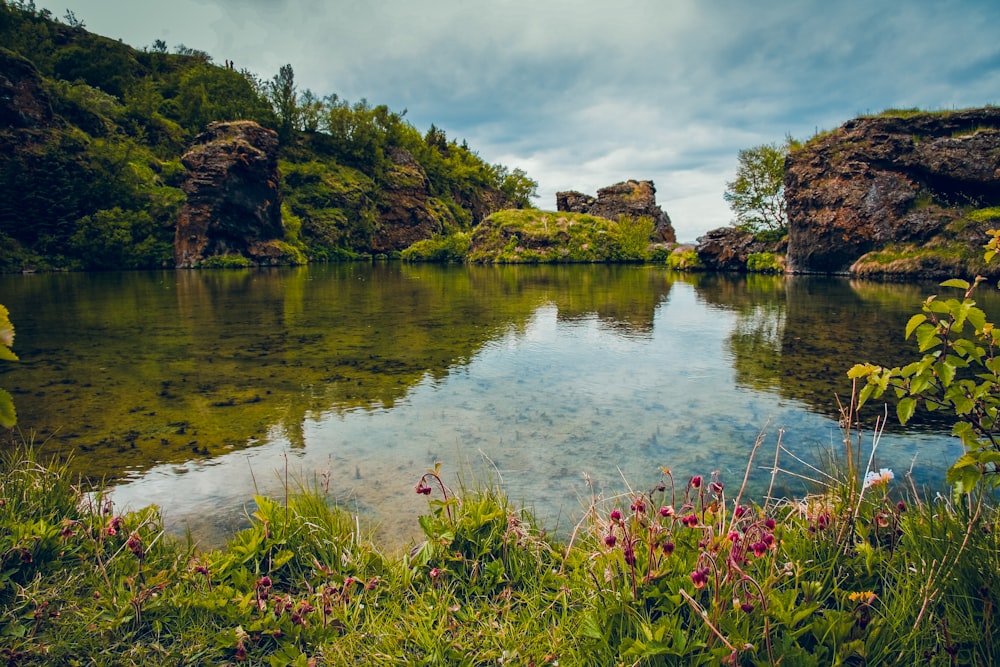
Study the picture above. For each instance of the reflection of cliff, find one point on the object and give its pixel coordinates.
(798, 336)
(129, 370)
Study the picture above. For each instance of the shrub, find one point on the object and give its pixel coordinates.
(225, 262)
(451, 248)
(631, 238)
(685, 260)
(764, 262)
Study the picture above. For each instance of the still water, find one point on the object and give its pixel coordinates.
(194, 390)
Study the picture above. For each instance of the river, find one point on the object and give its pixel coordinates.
(194, 390)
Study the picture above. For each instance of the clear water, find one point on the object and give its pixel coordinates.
(196, 390)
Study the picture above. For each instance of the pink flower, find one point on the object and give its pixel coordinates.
(696, 481)
(616, 516)
(666, 511)
(610, 540)
(699, 578)
(668, 548)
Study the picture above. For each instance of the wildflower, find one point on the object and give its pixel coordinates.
(769, 524)
(739, 511)
(667, 511)
(668, 548)
(901, 506)
(863, 597)
(423, 488)
(734, 536)
(716, 487)
(629, 554)
(134, 545)
(435, 573)
(747, 607)
(264, 582)
(882, 519)
(691, 520)
(883, 476)
(616, 516)
(699, 578)
(758, 548)
(610, 540)
(638, 506)
(696, 482)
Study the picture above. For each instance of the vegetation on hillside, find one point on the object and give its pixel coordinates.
(98, 186)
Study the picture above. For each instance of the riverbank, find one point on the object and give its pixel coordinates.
(685, 573)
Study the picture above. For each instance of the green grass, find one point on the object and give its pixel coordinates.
(688, 572)
(530, 236)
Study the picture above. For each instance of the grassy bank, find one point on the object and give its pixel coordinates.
(688, 572)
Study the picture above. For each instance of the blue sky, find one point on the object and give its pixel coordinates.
(583, 94)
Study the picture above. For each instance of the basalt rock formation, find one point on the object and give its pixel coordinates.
(233, 198)
(630, 198)
(728, 249)
(917, 190)
(404, 214)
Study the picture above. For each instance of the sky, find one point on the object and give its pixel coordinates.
(582, 94)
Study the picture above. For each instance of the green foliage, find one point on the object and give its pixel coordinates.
(631, 238)
(681, 574)
(225, 262)
(125, 117)
(532, 237)
(764, 262)
(991, 214)
(451, 248)
(959, 373)
(8, 415)
(685, 260)
(756, 196)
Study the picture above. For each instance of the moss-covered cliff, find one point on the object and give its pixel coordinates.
(93, 132)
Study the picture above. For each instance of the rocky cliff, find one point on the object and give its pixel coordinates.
(728, 249)
(901, 193)
(233, 199)
(630, 198)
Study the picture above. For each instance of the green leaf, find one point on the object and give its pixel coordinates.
(927, 336)
(8, 416)
(977, 317)
(6, 354)
(957, 282)
(946, 372)
(905, 408)
(914, 322)
(861, 370)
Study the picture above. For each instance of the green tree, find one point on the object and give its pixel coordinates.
(757, 194)
(520, 188)
(284, 99)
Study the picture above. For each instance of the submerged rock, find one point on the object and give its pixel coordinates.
(629, 198)
(920, 185)
(233, 198)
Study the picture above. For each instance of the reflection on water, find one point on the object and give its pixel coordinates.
(198, 389)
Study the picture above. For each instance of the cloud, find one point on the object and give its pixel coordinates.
(585, 93)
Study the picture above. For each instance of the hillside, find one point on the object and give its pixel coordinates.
(93, 132)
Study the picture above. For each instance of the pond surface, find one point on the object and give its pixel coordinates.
(194, 390)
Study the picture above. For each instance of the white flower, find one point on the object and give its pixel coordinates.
(881, 477)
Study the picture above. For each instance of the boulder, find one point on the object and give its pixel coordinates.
(629, 198)
(727, 249)
(233, 199)
(892, 180)
(23, 101)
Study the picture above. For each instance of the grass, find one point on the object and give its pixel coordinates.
(688, 572)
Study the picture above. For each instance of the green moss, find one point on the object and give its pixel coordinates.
(530, 236)
(685, 260)
(225, 262)
(451, 248)
(765, 262)
(991, 214)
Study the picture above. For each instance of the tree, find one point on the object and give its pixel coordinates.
(284, 99)
(757, 195)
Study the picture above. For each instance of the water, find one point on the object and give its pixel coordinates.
(196, 390)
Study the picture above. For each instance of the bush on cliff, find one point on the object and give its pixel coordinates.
(451, 248)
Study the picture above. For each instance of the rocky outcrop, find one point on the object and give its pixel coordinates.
(904, 179)
(23, 102)
(404, 213)
(727, 249)
(630, 198)
(233, 199)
